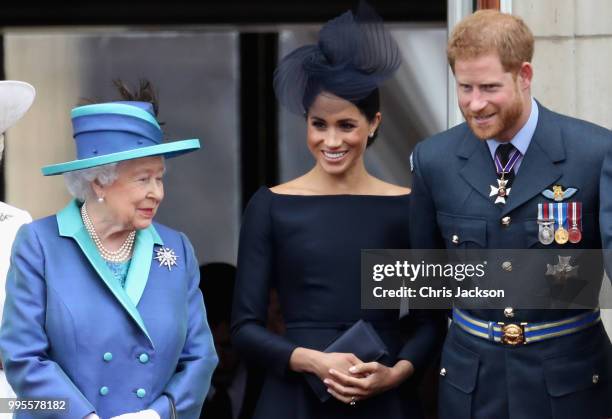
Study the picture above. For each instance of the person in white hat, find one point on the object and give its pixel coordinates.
(16, 97)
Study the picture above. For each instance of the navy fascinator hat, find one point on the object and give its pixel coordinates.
(354, 55)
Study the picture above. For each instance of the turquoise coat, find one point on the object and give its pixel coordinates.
(70, 331)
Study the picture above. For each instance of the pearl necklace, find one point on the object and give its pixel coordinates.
(117, 256)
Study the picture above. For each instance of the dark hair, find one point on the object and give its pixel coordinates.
(145, 93)
(369, 106)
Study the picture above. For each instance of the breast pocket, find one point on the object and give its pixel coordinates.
(590, 234)
(532, 230)
(463, 232)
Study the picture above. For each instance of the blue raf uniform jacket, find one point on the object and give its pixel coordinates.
(605, 212)
(70, 331)
(563, 377)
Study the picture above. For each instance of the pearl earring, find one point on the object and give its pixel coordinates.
(100, 199)
(371, 135)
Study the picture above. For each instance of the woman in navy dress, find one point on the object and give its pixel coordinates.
(304, 238)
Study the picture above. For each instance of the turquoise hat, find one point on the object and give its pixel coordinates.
(117, 131)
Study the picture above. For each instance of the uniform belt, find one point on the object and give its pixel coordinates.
(513, 334)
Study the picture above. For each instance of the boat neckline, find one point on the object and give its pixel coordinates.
(337, 195)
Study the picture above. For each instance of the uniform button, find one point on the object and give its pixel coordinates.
(443, 372)
(103, 391)
(140, 393)
(143, 358)
(509, 312)
(507, 266)
(108, 356)
(506, 221)
(455, 239)
(595, 378)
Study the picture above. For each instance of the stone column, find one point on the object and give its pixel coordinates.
(572, 62)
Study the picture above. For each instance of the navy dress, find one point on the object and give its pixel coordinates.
(308, 247)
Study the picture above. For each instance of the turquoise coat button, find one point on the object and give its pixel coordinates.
(140, 393)
(103, 391)
(143, 358)
(108, 356)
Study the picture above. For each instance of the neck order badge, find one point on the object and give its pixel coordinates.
(506, 157)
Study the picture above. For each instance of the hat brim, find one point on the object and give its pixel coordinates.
(16, 97)
(168, 150)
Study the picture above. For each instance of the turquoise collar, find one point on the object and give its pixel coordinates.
(70, 224)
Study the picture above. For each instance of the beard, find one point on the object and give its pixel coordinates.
(505, 120)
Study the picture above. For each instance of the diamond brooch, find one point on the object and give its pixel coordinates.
(166, 257)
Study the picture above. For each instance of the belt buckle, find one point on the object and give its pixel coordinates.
(512, 334)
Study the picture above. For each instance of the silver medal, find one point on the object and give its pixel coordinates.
(546, 233)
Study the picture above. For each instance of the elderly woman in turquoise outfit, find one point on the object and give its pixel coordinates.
(103, 308)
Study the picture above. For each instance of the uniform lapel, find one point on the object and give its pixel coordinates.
(538, 169)
(479, 170)
(71, 225)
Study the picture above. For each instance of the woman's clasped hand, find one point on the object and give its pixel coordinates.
(364, 380)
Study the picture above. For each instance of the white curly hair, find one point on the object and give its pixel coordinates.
(79, 182)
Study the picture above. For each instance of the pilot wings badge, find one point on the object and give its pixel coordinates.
(558, 194)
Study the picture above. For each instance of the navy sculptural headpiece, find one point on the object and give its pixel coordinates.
(353, 56)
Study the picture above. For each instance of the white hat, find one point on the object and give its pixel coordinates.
(16, 97)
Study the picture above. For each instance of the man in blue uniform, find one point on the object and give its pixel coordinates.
(515, 175)
(605, 211)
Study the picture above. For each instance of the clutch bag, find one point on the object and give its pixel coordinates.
(360, 339)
